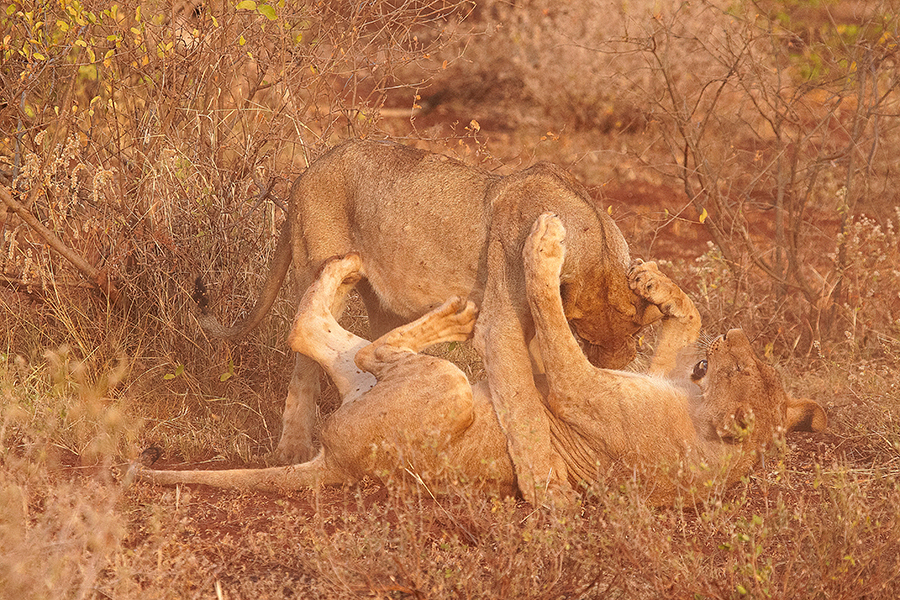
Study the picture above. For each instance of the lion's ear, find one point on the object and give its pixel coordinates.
(805, 415)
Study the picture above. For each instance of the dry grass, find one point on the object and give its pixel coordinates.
(818, 520)
(155, 168)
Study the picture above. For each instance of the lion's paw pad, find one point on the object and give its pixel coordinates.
(646, 280)
(546, 239)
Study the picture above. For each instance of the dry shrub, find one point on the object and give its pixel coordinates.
(60, 512)
(774, 121)
(776, 136)
(158, 141)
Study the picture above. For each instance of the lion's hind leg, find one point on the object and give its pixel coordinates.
(322, 298)
(409, 421)
(317, 333)
(452, 321)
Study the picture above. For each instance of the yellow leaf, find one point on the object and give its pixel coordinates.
(267, 11)
(39, 56)
(246, 5)
(609, 209)
(703, 215)
(241, 40)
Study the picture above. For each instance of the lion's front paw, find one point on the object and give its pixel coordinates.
(648, 282)
(545, 249)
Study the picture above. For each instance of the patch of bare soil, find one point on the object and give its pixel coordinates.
(657, 220)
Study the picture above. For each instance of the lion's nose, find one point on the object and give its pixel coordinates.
(732, 335)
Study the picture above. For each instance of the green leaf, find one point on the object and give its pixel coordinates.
(246, 5)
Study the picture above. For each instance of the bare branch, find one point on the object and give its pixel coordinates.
(98, 278)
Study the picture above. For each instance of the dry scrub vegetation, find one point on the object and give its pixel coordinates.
(748, 144)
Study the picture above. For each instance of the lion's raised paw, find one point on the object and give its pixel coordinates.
(545, 247)
(648, 282)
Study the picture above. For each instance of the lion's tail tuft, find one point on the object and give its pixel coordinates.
(200, 295)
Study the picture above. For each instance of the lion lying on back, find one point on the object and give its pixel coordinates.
(674, 431)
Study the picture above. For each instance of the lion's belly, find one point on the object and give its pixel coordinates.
(431, 271)
(435, 251)
(418, 220)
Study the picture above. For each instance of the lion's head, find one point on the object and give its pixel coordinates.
(743, 400)
(597, 300)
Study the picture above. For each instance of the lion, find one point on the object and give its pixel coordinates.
(677, 429)
(427, 228)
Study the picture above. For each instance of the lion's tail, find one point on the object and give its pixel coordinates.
(278, 268)
(274, 479)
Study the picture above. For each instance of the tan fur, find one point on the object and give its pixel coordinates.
(405, 412)
(427, 228)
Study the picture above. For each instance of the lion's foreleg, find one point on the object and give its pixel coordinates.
(565, 365)
(540, 470)
(681, 321)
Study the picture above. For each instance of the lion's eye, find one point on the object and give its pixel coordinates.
(699, 371)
